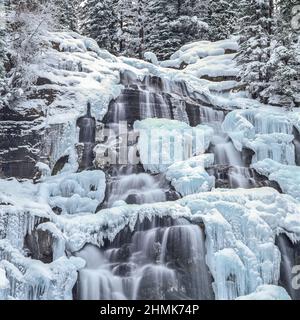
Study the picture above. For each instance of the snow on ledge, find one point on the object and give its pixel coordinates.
(191, 53)
(267, 292)
(288, 177)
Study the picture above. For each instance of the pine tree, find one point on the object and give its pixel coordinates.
(137, 41)
(256, 27)
(223, 19)
(66, 13)
(284, 64)
(123, 13)
(99, 22)
(3, 46)
(2, 37)
(28, 22)
(172, 23)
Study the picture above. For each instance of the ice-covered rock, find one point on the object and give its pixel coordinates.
(288, 177)
(268, 134)
(74, 192)
(20, 210)
(107, 223)
(189, 176)
(267, 292)
(33, 280)
(163, 142)
(241, 226)
(4, 285)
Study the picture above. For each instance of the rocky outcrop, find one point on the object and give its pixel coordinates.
(20, 142)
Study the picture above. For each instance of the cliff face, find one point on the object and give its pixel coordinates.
(20, 142)
(42, 125)
(73, 71)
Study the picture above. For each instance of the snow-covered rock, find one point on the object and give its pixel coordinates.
(267, 292)
(4, 285)
(106, 224)
(222, 67)
(189, 176)
(288, 177)
(191, 53)
(240, 225)
(20, 210)
(33, 280)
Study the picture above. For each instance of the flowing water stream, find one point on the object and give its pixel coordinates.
(162, 258)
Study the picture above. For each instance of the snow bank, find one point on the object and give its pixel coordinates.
(223, 66)
(267, 292)
(80, 71)
(189, 176)
(268, 134)
(288, 177)
(191, 53)
(163, 142)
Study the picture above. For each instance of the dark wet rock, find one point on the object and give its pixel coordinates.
(290, 259)
(40, 244)
(132, 199)
(219, 79)
(172, 195)
(296, 143)
(60, 163)
(247, 155)
(87, 136)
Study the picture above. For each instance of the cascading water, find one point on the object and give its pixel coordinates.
(221, 145)
(240, 177)
(162, 259)
(135, 188)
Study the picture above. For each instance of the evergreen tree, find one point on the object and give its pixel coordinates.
(2, 38)
(223, 19)
(284, 64)
(28, 22)
(172, 23)
(99, 22)
(139, 15)
(256, 27)
(66, 13)
(124, 21)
